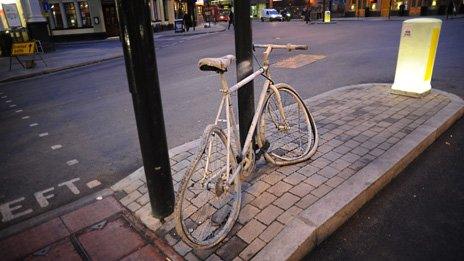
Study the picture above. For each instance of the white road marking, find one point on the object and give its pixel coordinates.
(8, 101)
(12, 105)
(42, 198)
(71, 186)
(94, 183)
(12, 209)
(25, 117)
(7, 210)
(43, 134)
(72, 162)
(18, 111)
(56, 147)
(33, 124)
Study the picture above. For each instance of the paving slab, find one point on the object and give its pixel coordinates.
(91, 214)
(113, 242)
(367, 136)
(100, 230)
(33, 239)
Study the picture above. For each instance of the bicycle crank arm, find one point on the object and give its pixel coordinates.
(236, 172)
(262, 150)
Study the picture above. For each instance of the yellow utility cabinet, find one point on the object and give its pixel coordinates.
(327, 17)
(416, 56)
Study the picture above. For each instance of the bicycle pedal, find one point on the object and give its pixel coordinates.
(263, 150)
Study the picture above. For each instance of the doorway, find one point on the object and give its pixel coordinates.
(111, 19)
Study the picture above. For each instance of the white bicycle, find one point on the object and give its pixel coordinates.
(209, 196)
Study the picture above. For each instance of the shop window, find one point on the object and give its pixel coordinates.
(395, 4)
(56, 16)
(71, 17)
(418, 3)
(85, 14)
(353, 5)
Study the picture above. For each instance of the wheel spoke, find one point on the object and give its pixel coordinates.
(201, 215)
(294, 142)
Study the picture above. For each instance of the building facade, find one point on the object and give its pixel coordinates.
(23, 20)
(365, 8)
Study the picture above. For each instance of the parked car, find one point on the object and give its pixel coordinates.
(223, 16)
(270, 15)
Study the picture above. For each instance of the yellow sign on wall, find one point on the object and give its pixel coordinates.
(26, 48)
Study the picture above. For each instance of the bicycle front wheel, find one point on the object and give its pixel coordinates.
(293, 139)
(206, 207)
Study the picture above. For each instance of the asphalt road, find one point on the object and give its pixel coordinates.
(88, 111)
(418, 216)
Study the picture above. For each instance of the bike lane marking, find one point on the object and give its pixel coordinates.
(14, 209)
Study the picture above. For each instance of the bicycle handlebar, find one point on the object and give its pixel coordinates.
(289, 47)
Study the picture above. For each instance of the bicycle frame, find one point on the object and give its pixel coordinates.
(230, 117)
(226, 104)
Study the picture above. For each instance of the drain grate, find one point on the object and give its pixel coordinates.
(298, 61)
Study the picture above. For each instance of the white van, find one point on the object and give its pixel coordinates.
(270, 15)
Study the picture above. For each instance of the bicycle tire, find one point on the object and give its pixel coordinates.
(185, 226)
(281, 150)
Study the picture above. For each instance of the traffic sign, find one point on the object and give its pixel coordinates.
(26, 48)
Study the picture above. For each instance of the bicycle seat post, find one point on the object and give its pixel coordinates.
(266, 57)
(224, 85)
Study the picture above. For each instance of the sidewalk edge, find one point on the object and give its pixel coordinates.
(140, 174)
(190, 34)
(58, 69)
(315, 224)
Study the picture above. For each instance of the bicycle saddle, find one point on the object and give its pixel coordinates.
(218, 65)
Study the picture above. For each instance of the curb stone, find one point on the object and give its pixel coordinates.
(82, 64)
(315, 224)
(218, 30)
(58, 69)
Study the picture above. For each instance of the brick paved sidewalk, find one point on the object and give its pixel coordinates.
(357, 125)
(102, 230)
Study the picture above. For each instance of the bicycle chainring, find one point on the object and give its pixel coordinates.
(249, 164)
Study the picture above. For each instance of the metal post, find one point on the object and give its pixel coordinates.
(142, 75)
(323, 10)
(447, 9)
(244, 55)
(389, 9)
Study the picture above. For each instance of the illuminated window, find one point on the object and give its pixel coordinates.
(395, 4)
(71, 17)
(85, 14)
(56, 16)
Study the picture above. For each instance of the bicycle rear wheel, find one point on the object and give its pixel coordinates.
(289, 143)
(206, 209)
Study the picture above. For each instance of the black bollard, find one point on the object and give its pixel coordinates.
(142, 75)
(244, 55)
